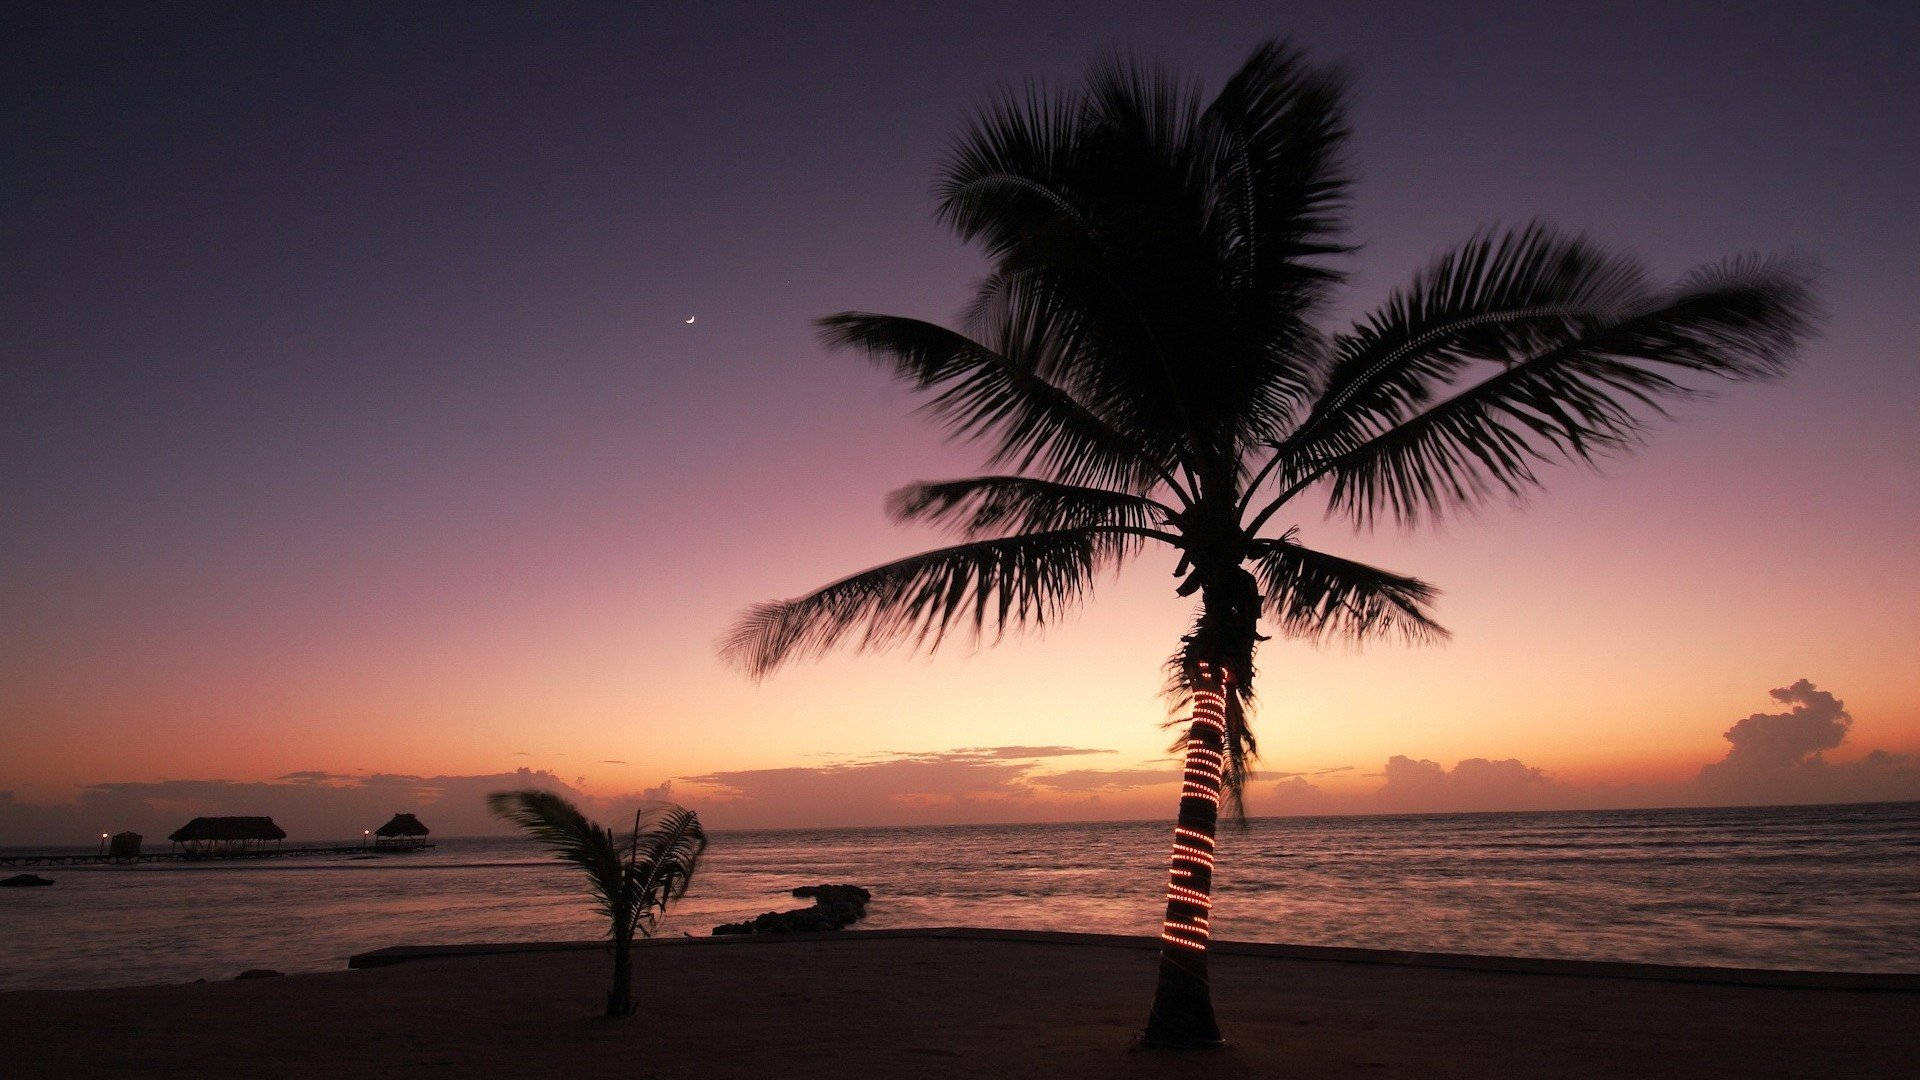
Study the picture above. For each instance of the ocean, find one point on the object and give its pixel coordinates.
(1823, 888)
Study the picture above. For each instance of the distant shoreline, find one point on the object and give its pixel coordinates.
(81, 848)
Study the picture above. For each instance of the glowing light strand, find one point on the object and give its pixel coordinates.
(1186, 925)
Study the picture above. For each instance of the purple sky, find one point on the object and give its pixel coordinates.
(351, 421)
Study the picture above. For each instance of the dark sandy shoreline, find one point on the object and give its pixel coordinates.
(970, 1003)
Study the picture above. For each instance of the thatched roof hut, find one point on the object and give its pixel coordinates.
(402, 827)
(226, 835)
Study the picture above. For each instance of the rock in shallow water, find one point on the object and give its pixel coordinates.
(834, 906)
(21, 881)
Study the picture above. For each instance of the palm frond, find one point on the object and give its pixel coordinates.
(633, 877)
(663, 857)
(1007, 583)
(1107, 233)
(1499, 296)
(1072, 318)
(1312, 595)
(1273, 145)
(996, 505)
(984, 393)
(570, 836)
(1180, 352)
(1143, 110)
(1581, 394)
(1006, 179)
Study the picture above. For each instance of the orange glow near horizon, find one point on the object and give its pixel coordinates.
(1555, 662)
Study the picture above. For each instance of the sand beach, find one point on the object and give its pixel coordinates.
(968, 1003)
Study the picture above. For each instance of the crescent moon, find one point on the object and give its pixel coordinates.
(689, 320)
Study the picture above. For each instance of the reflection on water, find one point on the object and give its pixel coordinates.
(1797, 887)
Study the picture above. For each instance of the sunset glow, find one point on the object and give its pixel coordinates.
(321, 472)
(536, 540)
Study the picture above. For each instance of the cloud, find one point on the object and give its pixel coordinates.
(973, 753)
(1473, 784)
(1027, 751)
(1337, 769)
(1082, 781)
(316, 776)
(968, 783)
(1297, 795)
(977, 783)
(611, 761)
(1774, 742)
(905, 790)
(1412, 785)
(1774, 758)
(311, 805)
(1781, 757)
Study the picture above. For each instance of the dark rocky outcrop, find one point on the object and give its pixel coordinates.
(21, 881)
(258, 973)
(834, 906)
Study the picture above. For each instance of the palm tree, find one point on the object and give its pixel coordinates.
(633, 877)
(1142, 360)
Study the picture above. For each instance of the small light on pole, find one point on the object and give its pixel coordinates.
(366, 837)
(103, 843)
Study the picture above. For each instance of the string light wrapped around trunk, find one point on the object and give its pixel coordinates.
(1190, 868)
(1211, 673)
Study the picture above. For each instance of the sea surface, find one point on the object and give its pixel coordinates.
(1823, 888)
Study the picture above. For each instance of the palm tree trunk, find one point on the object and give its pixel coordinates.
(620, 998)
(1183, 1002)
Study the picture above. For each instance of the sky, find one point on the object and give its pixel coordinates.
(355, 447)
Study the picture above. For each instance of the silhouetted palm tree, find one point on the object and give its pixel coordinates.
(633, 877)
(1142, 354)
